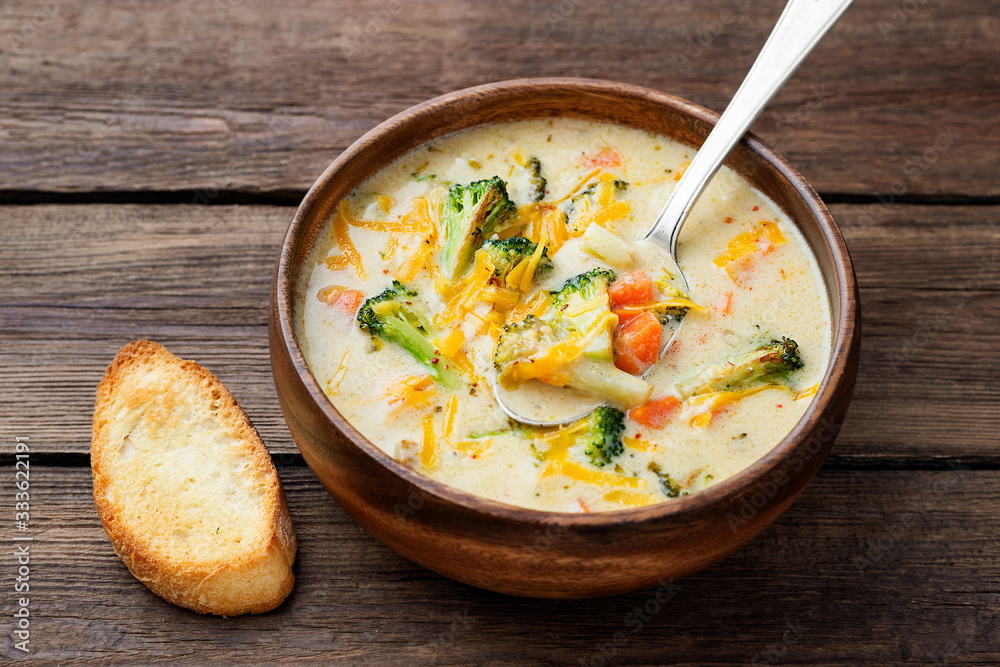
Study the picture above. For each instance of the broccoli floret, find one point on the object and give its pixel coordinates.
(671, 489)
(538, 182)
(589, 192)
(599, 435)
(542, 347)
(586, 193)
(585, 286)
(521, 340)
(591, 286)
(392, 316)
(603, 438)
(771, 363)
(469, 214)
(507, 254)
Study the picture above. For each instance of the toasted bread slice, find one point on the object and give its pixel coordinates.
(185, 488)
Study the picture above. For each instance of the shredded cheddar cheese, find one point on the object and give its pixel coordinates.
(630, 498)
(559, 441)
(529, 272)
(544, 224)
(658, 306)
(605, 189)
(462, 297)
(707, 405)
(639, 445)
(341, 370)
(743, 246)
(418, 219)
(451, 343)
(427, 453)
(584, 474)
(343, 239)
(473, 448)
(806, 393)
(336, 262)
(602, 215)
(413, 392)
(451, 411)
(390, 248)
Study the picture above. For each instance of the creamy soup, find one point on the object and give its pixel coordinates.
(753, 325)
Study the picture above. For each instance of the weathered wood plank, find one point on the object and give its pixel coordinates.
(80, 281)
(865, 567)
(236, 94)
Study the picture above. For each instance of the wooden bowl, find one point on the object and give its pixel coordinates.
(553, 554)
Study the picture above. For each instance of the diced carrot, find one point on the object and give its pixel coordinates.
(722, 303)
(637, 344)
(656, 413)
(626, 315)
(348, 302)
(344, 300)
(606, 157)
(635, 287)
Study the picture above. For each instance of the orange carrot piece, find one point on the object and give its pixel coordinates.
(635, 287)
(626, 315)
(637, 344)
(348, 302)
(722, 303)
(656, 413)
(342, 299)
(606, 157)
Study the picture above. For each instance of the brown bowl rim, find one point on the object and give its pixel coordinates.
(770, 463)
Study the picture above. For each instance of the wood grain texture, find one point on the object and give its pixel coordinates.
(188, 98)
(242, 95)
(81, 281)
(830, 582)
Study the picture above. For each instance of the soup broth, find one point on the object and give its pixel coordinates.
(587, 192)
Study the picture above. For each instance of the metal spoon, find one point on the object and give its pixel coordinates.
(801, 25)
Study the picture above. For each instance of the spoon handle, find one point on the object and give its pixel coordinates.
(802, 24)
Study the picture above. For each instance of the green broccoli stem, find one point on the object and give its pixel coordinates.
(603, 439)
(771, 363)
(415, 342)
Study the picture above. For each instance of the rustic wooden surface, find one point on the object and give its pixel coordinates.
(116, 117)
(126, 95)
(859, 556)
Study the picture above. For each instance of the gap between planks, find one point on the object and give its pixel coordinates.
(833, 463)
(284, 197)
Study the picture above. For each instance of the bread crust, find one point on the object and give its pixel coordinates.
(252, 574)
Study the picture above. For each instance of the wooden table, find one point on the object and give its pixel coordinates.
(152, 153)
